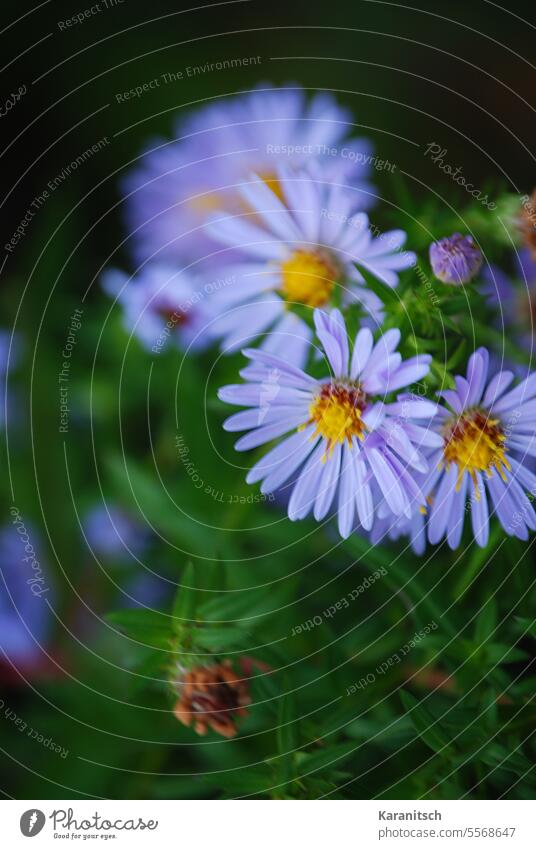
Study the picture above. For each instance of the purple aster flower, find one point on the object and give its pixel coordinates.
(25, 618)
(344, 439)
(455, 259)
(514, 301)
(110, 532)
(178, 182)
(300, 252)
(487, 434)
(160, 304)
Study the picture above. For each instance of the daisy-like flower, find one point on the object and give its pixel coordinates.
(345, 440)
(300, 251)
(179, 182)
(487, 434)
(160, 304)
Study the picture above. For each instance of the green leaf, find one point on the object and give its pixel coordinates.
(486, 622)
(145, 491)
(526, 626)
(429, 729)
(286, 736)
(146, 626)
(387, 295)
(221, 640)
(478, 559)
(330, 756)
(186, 599)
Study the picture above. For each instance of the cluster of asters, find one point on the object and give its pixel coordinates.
(251, 231)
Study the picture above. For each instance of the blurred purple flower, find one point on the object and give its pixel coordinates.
(514, 302)
(147, 590)
(305, 251)
(214, 150)
(9, 356)
(25, 618)
(111, 532)
(160, 304)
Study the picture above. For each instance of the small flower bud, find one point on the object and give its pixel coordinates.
(455, 259)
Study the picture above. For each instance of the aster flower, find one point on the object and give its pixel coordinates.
(110, 532)
(210, 697)
(25, 618)
(177, 183)
(345, 438)
(488, 431)
(160, 304)
(515, 302)
(304, 255)
(455, 259)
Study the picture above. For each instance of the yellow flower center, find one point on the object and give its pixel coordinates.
(308, 277)
(337, 412)
(475, 443)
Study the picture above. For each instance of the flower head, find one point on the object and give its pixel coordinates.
(515, 301)
(211, 697)
(302, 252)
(178, 183)
(455, 259)
(160, 304)
(25, 617)
(111, 532)
(487, 431)
(347, 442)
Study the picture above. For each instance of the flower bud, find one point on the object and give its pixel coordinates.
(455, 259)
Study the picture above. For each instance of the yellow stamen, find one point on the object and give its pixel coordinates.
(475, 443)
(337, 412)
(308, 277)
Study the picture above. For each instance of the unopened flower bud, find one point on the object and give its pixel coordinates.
(455, 259)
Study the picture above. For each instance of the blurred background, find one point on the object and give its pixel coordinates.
(108, 507)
